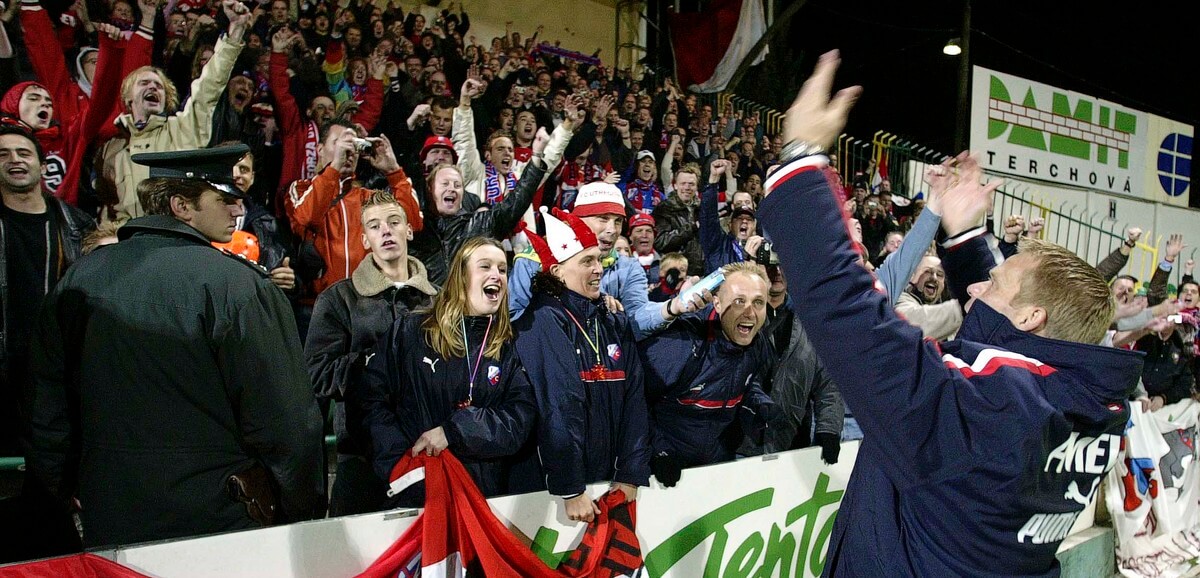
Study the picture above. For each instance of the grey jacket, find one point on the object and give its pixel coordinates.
(799, 379)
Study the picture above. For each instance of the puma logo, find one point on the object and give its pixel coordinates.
(432, 364)
(1074, 494)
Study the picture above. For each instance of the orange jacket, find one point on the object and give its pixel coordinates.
(335, 225)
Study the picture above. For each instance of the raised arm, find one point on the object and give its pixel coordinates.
(711, 235)
(463, 136)
(904, 392)
(195, 120)
(372, 107)
(507, 213)
(1157, 293)
(1111, 266)
(46, 57)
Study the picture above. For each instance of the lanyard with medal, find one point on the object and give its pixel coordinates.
(598, 372)
(478, 361)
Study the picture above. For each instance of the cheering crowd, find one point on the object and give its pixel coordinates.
(492, 249)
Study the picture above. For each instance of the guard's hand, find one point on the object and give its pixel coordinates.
(613, 304)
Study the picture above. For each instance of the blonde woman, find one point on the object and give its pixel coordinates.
(449, 378)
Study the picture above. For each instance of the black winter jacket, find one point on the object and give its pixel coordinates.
(161, 367)
(349, 318)
(442, 236)
(409, 389)
(798, 381)
(73, 225)
(677, 230)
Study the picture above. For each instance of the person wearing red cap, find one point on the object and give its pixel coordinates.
(65, 116)
(438, 150)
(594, 422)
(641, 241)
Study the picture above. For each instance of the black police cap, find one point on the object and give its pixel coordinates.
(212, 165)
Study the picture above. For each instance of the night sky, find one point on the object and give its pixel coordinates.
(1144, 60)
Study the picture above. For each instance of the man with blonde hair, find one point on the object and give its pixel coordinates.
(348, 319)
(979, 454)
(704, 377)
(150, 121)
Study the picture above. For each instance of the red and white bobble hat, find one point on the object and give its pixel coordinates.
(566, 236)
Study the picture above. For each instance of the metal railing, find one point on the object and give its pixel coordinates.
(1090, 235)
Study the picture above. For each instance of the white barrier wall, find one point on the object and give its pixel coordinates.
(762, 516)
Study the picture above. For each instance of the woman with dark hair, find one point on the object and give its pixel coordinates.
(586, 373)
(449, 378)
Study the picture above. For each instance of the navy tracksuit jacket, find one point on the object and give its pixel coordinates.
(592, 427)
(978, 455)
(697, 383)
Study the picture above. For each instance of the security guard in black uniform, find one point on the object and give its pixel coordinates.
(170, 395)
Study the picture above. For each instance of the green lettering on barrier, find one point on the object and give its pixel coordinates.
(819, 555)
(781, 547)
(743, 559)
(543, 547)
(666, 554)
(808, 511)
(1065, 145)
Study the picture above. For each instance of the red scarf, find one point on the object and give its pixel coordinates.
(457, 529)
(312, 143)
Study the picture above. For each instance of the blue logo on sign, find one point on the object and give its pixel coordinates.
(1175, 164)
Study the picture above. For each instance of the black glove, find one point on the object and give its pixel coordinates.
(831, 446)
(666, 469)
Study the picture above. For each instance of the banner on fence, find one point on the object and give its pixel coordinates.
(1152, 493)
(762, 516)
(1038, 131)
